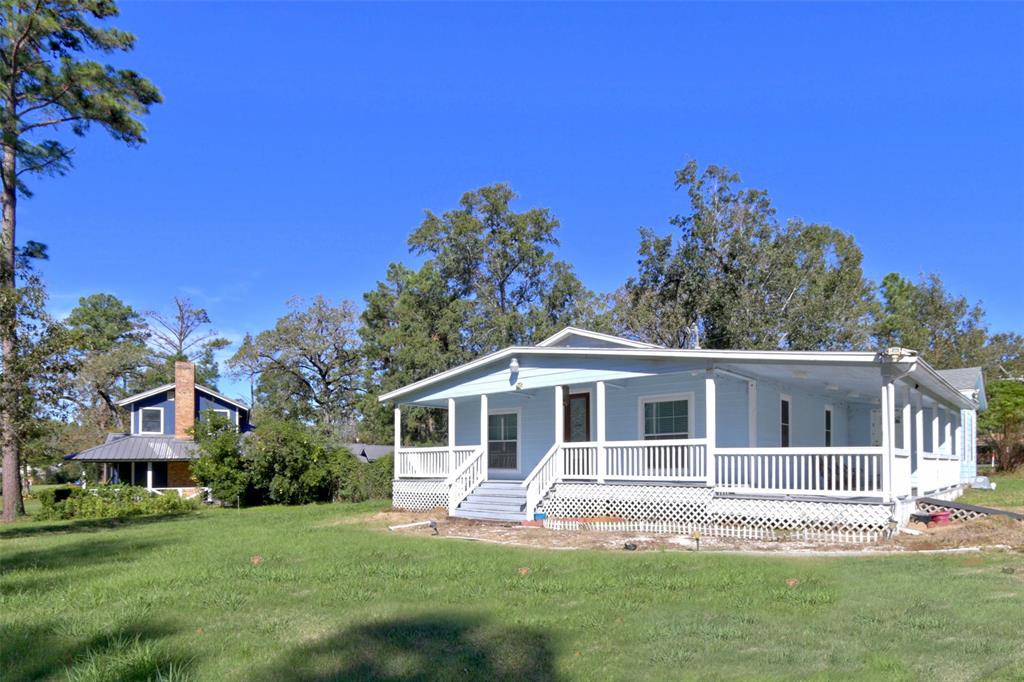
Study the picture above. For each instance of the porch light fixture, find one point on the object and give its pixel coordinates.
(514, 366)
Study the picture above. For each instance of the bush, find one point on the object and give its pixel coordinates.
(293, 463)
(220, 466)
(108, 501)
(371, 481)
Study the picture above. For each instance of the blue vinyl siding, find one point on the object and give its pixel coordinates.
(203, 402)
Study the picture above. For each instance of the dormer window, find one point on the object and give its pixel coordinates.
(151, 420)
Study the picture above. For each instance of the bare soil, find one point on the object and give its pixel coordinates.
(991, 533)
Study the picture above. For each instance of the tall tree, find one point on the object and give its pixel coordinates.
(47, 83)
(108, 339)
(308, 364)
(185, 334)
(736, 278)
(490, 280)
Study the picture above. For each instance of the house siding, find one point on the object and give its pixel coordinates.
(203, 402)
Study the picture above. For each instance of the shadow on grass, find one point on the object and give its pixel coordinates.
(130, 652)
(429, 647)
(34, 528)
(71, 556)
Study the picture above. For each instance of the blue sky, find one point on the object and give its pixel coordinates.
(300, 143)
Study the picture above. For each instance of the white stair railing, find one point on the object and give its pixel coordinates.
(465, 479)
(543, 478)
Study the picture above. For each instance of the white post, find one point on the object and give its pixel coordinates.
(919, 439)
(559, 429)
(947, 428)
(906, 423)
(398, 436)
(602, 461)
(451, 435)
(483, 432)
(888, 419)
(936, 447)
(149, 475)
(752, 414)
(710, 423)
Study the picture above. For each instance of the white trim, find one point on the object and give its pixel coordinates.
(752, 414)
(166, 387)
(786, 397)
(688, 396)
(151, 433)
(597, 336)
(518, 411)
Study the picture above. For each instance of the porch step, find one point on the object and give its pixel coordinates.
(494, 501)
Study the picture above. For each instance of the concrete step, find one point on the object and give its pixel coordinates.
(499, 485)
(490, 515)
(495, 499)
(501, 492)
(492, 505)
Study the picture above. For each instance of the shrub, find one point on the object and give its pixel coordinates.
(220, 466)
(293, 463)
(371, 481)
(108, 501)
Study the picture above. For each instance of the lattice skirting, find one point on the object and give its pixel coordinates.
(422, 495)
(678, 509)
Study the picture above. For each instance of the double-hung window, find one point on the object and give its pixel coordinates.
(666, 418)
(151, 420)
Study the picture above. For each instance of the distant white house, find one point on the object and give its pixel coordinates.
(587, 425)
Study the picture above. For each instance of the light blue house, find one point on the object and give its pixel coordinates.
(157, 450)
(588, 425)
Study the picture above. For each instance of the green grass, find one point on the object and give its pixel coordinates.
(1009, 493)
(179, 598)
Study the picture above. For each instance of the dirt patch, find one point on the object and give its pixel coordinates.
(998, 533)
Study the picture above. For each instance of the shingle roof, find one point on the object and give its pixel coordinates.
(368, 453)
(122, 447)
(166, 387)
(963, 379)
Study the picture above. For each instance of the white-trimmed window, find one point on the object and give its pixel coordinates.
(503, 440)
(151, 420)
(785, 419)
(828, 426)
(666, 417)
(222, 412)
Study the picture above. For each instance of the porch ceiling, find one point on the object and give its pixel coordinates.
(862, 383)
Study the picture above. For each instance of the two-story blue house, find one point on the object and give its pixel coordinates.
(156, 451)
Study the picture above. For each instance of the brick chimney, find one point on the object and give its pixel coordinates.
(184, 398)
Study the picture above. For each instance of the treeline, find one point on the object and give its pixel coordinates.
(726, 274)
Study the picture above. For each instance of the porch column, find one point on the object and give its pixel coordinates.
(918, 453)
(958, 439)
(752, 414)
(559, 414)
(451, 435)
(602, 460)
(398, 436)
(936, 448)
(947, 425)
(149, 475)
(483, 432)
(906, 422)
(888, 421)
(709, 424)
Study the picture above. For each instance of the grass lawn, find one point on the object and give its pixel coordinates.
(1009, 493)
(302, 593)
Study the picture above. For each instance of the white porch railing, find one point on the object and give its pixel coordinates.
(818, 471)
(543, 477)
(466, 477)
(657, 460)
(436, 462)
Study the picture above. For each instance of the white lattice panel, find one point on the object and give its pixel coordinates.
(679, 509)
(420, 495)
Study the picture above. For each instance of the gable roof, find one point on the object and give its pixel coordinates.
(120, 447)
(370, 453)
(166, 387)
(968, 380)
(558, 338)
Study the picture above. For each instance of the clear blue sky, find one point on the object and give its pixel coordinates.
(300, 143)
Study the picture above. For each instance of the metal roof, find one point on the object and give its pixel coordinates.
(963, 379)
(369, 453)
(124, 448)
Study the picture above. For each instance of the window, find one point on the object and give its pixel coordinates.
(503, 440)
(666, 417)
(151, 420)
(828, 427)
(224, 413)
(170, 394)
(784, 422)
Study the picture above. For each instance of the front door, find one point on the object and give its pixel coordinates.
(577, 418)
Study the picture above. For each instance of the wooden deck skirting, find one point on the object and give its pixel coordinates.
(964, 512)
